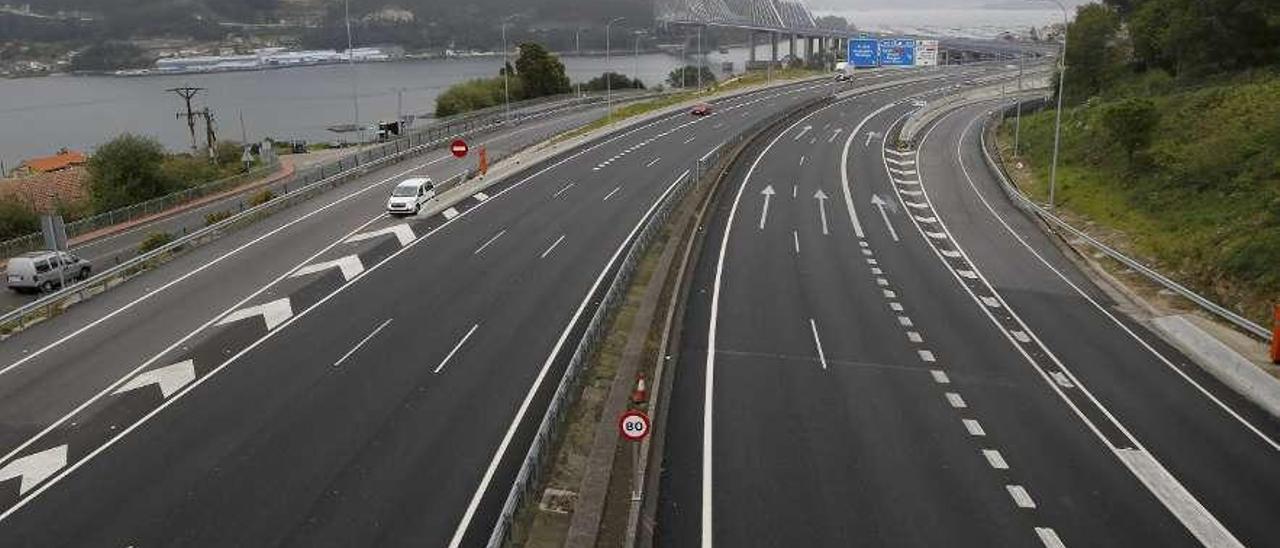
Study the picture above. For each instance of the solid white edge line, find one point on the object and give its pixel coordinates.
(456, 347)
(844, 169)
(361, 343)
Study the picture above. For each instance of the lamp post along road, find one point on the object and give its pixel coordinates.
(506, 76)
(355, 82)
(1057, 122)
(608, 79)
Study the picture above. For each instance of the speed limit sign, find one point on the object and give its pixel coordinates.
(633, 425)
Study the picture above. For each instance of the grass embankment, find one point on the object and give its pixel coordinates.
(644, 107)
(1200, 202)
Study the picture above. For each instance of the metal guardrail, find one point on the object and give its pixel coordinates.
(540, 449)
(306, 184)
(1027, 203)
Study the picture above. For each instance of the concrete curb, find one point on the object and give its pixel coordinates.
(1225, 364)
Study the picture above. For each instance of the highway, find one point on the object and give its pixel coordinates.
(335, 377)
(880, 350)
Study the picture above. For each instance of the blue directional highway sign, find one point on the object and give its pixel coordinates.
(897, 52)
(864, 52)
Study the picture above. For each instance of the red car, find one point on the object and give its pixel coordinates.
(701, 110)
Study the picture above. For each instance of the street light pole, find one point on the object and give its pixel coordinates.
(635, 60)
(700, 59)
(1057, 122)
(351, 62)
(1017, 118)
(608, 80)
(506, 75)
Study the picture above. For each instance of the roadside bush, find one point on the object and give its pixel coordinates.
(261, 197)
(154, 241)
(16, 219)
(127, 170)
(475, 95)
(216, 217)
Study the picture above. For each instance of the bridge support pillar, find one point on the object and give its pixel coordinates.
(792, 49)
(751, 47)
(773, 48)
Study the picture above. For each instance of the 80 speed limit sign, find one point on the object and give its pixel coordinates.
(633, 425)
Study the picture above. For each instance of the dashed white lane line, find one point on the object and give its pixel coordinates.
(795, 190)
(1020, 496)
(951, 254)
(896, 306)
(690, 140)
(456, 347)
(801, 159)
(940, 376)
(362, 342)
(926, 356)
(611, 193)
(480, 196)
(872, 262)
(1020, 335)
(991, 302)
(968, 274)
(818, 343)
(450, 213)
(488, 243)
(866, 252)
(796, 236)
(553, 246)
(995, 459)
(974, 427)
(882, 282)
(1049, 537)
(955, 400)
(1062, 380)
(876, 271)
(914, 337)
(653, 162)
(889, 294)
(905, 321)
(863, 243)
(936, 235)
(562, 189)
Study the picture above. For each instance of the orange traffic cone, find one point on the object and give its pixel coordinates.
(641, 393)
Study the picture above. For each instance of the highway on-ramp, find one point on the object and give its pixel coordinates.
(880, 350)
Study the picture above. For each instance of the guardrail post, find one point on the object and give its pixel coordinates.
(1275, 337)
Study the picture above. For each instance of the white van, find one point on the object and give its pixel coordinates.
(408, 196)
(45, 270)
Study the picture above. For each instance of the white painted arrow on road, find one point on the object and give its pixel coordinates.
(274, 313)
(169, 378)
(349, 265)
(402, 232)
(821, 197)
(803, 131)
(879, 202)
(870, 135)
(764, 213)
(35, 468)
(833, 136)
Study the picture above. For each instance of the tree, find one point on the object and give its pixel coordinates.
(127, 170)
(16, 219)
(1093, 54)
(687, 76)
(1131, 123)
(542, 73)
(833, 22)
(613, 80)
(111, 56)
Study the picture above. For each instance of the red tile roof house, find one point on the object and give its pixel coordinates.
(61, 177)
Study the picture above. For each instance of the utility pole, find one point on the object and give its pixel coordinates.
(506, 75)
(187, 93)
(700, 58)
(210, 136)
(1017, 118)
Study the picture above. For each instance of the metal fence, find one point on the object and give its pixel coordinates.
(703, 170)
(1025, 202)
(302, 186)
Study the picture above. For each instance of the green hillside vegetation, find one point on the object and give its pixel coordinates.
(1171, 141)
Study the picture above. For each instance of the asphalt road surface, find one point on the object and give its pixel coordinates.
(880, 350)
(333, 376)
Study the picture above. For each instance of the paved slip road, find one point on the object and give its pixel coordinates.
(921, 377)
(381, 394)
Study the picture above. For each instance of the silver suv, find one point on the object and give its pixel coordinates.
(45, 270)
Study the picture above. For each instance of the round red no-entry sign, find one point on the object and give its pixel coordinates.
(458, 148)
(634, 425)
